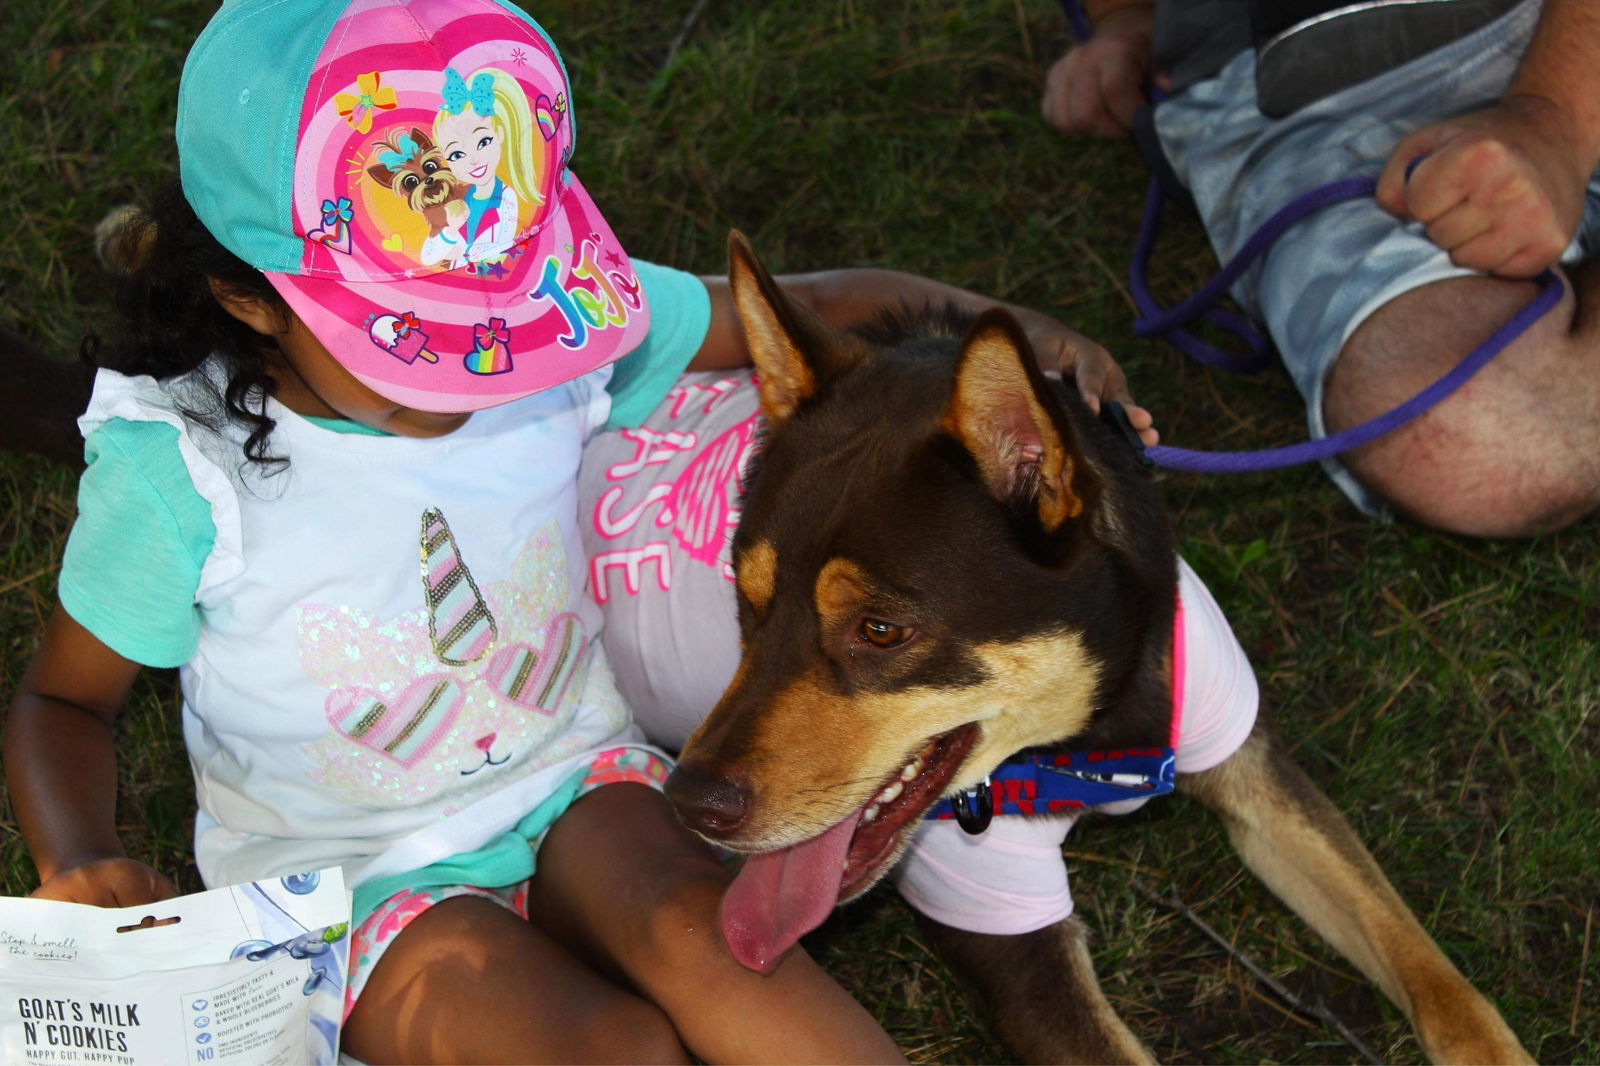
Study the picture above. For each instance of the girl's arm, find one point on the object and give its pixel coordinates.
(846, 297)
(61, 771)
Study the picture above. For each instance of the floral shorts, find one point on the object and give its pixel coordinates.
(374, 935)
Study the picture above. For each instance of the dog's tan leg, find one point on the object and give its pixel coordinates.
(1041, 994)
(1293, 838)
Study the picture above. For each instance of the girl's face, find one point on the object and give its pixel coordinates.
(471, 146)
(310, 381)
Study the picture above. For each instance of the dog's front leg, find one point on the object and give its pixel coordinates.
(1040, 991)
(1293, 838)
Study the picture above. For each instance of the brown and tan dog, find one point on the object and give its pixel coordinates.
(412, 167)
(944, 559)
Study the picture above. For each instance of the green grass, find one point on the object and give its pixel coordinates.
(1445, 692)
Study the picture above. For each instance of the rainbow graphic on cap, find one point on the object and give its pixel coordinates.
(492, 354)
(544, 112)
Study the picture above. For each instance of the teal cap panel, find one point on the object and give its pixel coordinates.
(239, 105)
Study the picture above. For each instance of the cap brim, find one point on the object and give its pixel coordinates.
(559, 303)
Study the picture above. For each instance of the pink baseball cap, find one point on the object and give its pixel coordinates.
(398, 169)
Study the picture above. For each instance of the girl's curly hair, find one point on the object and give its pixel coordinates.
(166, 262)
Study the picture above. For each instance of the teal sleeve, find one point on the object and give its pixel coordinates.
(132, 563)
(680, 315)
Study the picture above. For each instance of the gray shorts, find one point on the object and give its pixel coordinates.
(1327, 273)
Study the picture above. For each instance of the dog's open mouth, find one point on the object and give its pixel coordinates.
(781, 895)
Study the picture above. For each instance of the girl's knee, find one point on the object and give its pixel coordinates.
(628, 1030)
(681, 916)
(469, 980)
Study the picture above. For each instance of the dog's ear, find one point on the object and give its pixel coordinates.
(379, 171)
(382, 175)
(793, 349)
(1000, 409)
(424, 141)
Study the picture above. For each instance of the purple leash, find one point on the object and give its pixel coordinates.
(1155, 321)
(1311, 450)
(1168, 324)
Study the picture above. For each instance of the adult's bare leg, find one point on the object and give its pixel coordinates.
(1512, 453)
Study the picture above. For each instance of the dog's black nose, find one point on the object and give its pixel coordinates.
(713, 806)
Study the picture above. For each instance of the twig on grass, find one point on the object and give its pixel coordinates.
(1583, 968)
(683, 33)
(19, 582)
(1318, 1010)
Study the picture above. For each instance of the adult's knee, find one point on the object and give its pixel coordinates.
(1462, 473)
(1513, 452)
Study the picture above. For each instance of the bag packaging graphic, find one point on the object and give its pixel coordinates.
(249, 975)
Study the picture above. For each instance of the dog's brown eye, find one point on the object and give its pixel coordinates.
(881, 634)
(429, 166)
(410, 181)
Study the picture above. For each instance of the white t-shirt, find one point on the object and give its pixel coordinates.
(396, 660)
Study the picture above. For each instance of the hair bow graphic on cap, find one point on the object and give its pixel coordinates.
(408, 150)
(370, 95)
(485, 336)
(457, 95)
(335, 212)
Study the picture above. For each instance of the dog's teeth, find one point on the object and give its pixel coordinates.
(911, 770)
(889, 794)
(871, 813)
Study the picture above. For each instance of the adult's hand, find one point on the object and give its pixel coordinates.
(1098, 85)
(1500, 189)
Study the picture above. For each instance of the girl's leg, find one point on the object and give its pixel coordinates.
(623, 884)
(469, 981)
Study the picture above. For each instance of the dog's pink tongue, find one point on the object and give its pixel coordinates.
(779, 896)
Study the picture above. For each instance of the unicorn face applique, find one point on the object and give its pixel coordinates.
(456, 697)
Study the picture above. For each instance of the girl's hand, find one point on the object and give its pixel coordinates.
(117, 882)
(847, 297)
(1066, 353)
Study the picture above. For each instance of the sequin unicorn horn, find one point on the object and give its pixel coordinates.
(401, 336)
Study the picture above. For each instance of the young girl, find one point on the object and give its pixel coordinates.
(338, 492)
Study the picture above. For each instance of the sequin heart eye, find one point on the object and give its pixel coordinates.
(404, 728)
(537, 680)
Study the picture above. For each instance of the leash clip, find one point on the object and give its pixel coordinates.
(974, 808)
(1112, 414)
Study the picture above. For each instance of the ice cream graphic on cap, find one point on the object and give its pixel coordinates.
(401, 336)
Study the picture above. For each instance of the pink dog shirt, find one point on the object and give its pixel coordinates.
(1011, 878)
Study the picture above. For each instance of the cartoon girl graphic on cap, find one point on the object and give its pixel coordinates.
(484, 131)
